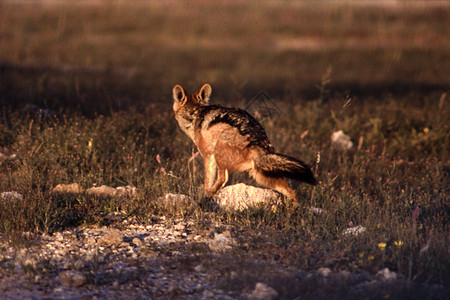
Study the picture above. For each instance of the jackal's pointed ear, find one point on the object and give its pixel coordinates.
(204, 93)
(179, 94)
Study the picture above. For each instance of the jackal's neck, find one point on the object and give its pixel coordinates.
(187, 119)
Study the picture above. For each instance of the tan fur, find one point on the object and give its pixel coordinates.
(231, 141)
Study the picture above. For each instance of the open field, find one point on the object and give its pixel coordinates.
(85, 97)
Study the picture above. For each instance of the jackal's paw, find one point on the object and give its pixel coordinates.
(209, 193)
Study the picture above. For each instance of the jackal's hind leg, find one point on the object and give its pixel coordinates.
(210, 172)
(280, 185)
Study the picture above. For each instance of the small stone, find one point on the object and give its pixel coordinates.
(199, 268)
(179, 226)
(61, 252)
(12, 196)
(90, 241)
(102, 191)
(73, 188)
(136, 241)
(263, 292)
(78, 264)
(58, 236)
(355, 231)
(345, 276)
(221, 243)
(29, 262)
(324, 272)
(175, 199)
(110, 238)
(124, 245)
(386, 275)
(72, 278)
(340, 141)
(208, 294)
(316, 210)
(126, 191)
(6, 157)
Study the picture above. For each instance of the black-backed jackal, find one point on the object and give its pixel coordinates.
(231, 140)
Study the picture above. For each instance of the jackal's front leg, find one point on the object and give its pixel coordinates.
(222, 178)
(210, 173)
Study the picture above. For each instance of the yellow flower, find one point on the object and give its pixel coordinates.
(382, 246)
(370, 257)
(398, 243)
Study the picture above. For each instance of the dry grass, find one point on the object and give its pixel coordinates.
(107, 70)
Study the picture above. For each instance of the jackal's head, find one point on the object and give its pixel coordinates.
(182, 100)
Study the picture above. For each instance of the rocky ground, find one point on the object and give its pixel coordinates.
(161, 258)
(167, 259)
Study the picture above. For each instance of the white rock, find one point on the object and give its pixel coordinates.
(387, 275)
(12, 196)
(102, 191)
(241, 196)
(175, 199)
(263, 292)
(221, 243)
(6, 157)
(73, 188)
(355, 231)
(126, 191)
(341, 141)
(316, 210)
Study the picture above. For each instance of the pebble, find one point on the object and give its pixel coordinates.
(387, 275)
(72, 278)
(221, 243)
(110, 238)
(263, 292)
(12, 196)
(137, 241)
(325, 272)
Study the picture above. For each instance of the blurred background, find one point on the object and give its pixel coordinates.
(96, 56)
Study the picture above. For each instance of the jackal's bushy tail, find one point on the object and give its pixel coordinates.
(276, 165)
